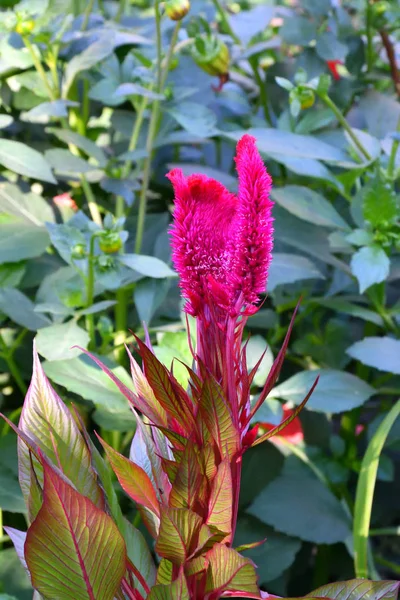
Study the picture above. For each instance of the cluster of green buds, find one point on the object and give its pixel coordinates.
(302, 92)
(383, 12)
(208, 51)
(112, 238)
(176, 9)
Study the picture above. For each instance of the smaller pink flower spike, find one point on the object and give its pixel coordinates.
(253, 222)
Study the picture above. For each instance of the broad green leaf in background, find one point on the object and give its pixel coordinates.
(67, 164)
(279, 143)
(24, 160)
(82, 377)
(382, 353)
(336, 391)
(289, 268)
(300, 505)
(274, 556)
(92, 55)
(328, 47)
(10, 492)
(195, 118)
(149, 295)
(56, 341)
(42, 113)
(64, 238)
(20, 309)
(87, 557)
(370, 265)
(31, 208)
(255, 348)
(149, 266)
(11, 274)
(13, 577)
(20, 240)
(247, 24)
(309, 206)
(365, 491)
(83, 143)
(298, 31)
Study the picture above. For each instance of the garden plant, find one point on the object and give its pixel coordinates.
(200, 240)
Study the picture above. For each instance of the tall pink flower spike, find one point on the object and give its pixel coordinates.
(222, 243)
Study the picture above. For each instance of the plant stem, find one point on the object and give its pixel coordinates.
(225, 22)
(90, 293)
(385, 531)
(339, 115)
(393, 153)
(161, 79)
(263, 92)
(13, 368)
(92, 204)
(370, 35)
(87, 14)
(39, 67)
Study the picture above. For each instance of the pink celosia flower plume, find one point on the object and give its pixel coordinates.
(222, 243)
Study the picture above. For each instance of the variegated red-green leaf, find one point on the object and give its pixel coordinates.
(160, 381)
(229, 571)
(358, 589)
(73, 549)
(221, 500)
(164, 572)
(189, 483)
(296, 411)
(177, 590)
(217, 417)
(134, 481)
(179, 530)
(48, 422)
(143, 452)
(146, 401)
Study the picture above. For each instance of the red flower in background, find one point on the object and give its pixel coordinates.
(332, 66)
(293, 432)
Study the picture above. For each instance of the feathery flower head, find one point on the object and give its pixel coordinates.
(221, 242)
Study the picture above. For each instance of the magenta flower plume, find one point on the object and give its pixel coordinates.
(222, 243)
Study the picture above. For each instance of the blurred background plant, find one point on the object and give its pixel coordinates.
(98, 100)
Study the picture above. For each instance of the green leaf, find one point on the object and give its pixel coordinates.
(67, 164)
(47, 421)
(289, 268)
(5, 121)
(89, 382)
(355, 310)
(92, 55)
(328, 47)
(217, 417)
(299, 31)
(360, 237)
(13, 577)
(256, 346)
(280, 144)
(337, 391)
(365, 491)
(11, 274)
(19, 241)
(299, 504)
(358, 589)
(42, 113)
(229, 571)
(149, 295)
(10, 493)
(247, 23)
(382, 353)
(370, 265)
(87, 557)
(83, 143)
(386, 210)
(274, 556)
(56, 342)
(20, 309)
(309, 206)
(149, 266)
(31, 208)
(195, 118)
(24, 160)
(135, 89)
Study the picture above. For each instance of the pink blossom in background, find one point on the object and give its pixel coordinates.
(222, 242)
(65, 201)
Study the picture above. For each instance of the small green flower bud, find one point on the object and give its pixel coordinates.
(110, 242)
(78, 252)
(177, 9)
(211, 54)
